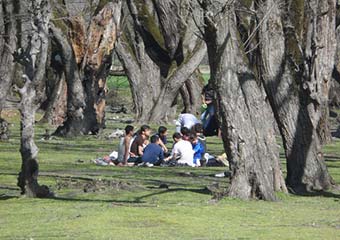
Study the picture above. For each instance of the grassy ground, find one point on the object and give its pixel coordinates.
(94, 202)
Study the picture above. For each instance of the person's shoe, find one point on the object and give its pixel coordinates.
(148, 164)
(220, 175)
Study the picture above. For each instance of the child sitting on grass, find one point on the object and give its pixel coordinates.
(197, 148)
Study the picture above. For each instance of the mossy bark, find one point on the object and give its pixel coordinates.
(156, 59)
(296, 74)
(248, 138)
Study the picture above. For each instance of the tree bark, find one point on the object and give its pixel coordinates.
(75, 89)
(33, 59)
(56, 91)
(167, 49)
(191, 92)
(8, 44)
(87, 64)
(248, 138)
(335, 84)
(296, 82)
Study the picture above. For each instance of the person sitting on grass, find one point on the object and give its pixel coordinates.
(125, 145)
(182, 151)
(153, 153)
(162, 134)
(197, 148)
(138, 145)
(198, 130)
(185, 133)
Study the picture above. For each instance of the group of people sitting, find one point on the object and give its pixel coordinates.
(143, 148)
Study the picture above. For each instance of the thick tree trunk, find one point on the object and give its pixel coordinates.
(157, 58)
(248, 138)
(191, 93)
(142, 73)
(8, 44)
(34, 60)
(56, 91)
(295, 102)
(75, 89)
(323, 128)
(173, 84)
(334, 94)
(87, 63)
(55, 111)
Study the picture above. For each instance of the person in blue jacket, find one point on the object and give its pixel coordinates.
(198, 149)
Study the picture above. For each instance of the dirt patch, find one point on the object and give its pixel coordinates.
(94, 185)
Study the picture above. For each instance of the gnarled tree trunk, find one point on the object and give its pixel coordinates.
(56, 90)
(33, 59)
(8, 43)
(296, 82)
(87, 59)
(160, 55)
(191, 92)
(248, 138)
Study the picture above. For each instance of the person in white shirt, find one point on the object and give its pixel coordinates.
(182, 151)
(187, 120)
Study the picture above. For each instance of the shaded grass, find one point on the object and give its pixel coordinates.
(135, 207)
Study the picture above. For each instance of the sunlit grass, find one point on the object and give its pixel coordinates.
(135, 207)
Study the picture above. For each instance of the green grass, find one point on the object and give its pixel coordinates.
(127, 203)
(206, 78)
(117, 82)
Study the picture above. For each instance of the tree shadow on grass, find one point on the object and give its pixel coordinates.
(194, 190)
(7, 197)
(329, 158)
(321, 194)
(137, 202)
(68, 199)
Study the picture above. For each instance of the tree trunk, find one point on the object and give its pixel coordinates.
(175, 81)
(8, 42)
(295, 102)
(323, 128)
(56, 91)
(34, 60)
(191, 93)
(248, 138)
(334, 94)
(87, 63)
(159, 57)
(4, 130)
(141, 72)
(75, 90)
(55, 111)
